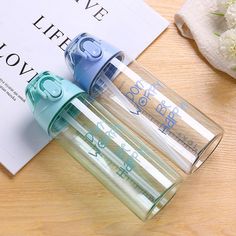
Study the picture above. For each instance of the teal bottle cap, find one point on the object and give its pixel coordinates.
(47, 95)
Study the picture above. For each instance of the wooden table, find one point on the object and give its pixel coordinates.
(55, 196)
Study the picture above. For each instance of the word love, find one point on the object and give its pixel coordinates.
(97, 10)
(14, 60)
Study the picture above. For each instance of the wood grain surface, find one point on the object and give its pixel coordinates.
(55, 196)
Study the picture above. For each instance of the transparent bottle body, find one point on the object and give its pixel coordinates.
(159, 115)
(109, 151)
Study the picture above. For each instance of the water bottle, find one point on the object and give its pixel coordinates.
(152, 110)
(103, 145)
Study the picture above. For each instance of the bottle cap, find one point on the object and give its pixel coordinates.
(87, 57)
(47, 95)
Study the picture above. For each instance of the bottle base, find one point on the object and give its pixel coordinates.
(162, 201)
(206, 152)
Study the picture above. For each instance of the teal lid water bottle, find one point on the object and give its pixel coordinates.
(156, 113)
(103, 145)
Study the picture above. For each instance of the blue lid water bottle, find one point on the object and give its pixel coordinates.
(144, 103)
(103, 145)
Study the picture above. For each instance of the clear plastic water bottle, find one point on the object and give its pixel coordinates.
(144, 103)
(103, 145)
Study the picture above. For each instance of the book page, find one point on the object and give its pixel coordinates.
(33, 38)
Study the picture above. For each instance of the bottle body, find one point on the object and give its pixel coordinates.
(109, 151)
(159, 115)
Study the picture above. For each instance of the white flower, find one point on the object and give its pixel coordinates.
(227, 45)
(230, 16)
(223, 5)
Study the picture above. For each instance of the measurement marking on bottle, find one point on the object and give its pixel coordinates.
(171, 134)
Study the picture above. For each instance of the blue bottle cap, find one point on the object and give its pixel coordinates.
(47, 95)
(88, 57)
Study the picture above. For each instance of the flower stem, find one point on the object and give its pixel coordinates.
(217, 14)
(217, 34)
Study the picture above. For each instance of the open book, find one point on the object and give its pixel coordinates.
(33, 37)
